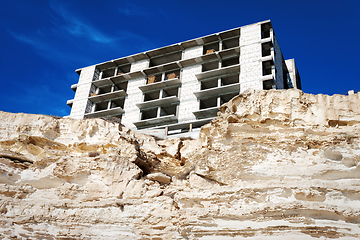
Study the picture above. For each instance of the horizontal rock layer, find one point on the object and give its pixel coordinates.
(274, 164)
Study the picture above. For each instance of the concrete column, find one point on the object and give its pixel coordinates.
(219, 82)
(109, 105)
(273, 73)
(220, 46)
(116, 71)
(158, 112)
(250, 58)
(80, 104)
(163, 76)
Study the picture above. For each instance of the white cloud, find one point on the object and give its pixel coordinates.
(77, 27)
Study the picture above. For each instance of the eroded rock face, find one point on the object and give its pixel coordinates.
(274, 164)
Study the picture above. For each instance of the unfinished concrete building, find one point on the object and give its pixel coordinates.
(178, 88)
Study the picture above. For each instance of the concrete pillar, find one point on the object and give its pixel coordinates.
(250, 58)
(135, 95)
(158, 113)
(93, 107)
(81, 104)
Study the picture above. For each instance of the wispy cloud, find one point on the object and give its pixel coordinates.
(130, 9)
(45, 49)
(78, 27)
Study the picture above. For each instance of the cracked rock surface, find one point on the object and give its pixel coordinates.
(274, 164)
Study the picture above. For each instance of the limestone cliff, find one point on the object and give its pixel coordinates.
(274, 165)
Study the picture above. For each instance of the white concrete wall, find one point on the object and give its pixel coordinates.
(135, 95)
(192, 52)
(189, 84)
(139, 65)
(188, 101)
(81, 102)
(250, 58)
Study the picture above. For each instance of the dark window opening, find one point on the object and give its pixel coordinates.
(122, 86)
(230, 43)
(170, 92)
(230, 80)
(123, 69)
(267, 66)
(101, 106)
(230, 62)
(118, 103)
(227, 97)
(210, 66)
(151, 96)
(166, 111)
(266, 49)
(212, 83)
(298, 80)
(265, 30)
(268, 84)
(148, 114)
(208, 103)
(103, 90)
(108, 73)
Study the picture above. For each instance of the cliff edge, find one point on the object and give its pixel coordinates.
(278, 164)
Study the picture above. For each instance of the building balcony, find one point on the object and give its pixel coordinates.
(218, 90)
(116, 79)
(151, 122)
(74, 87)
(108, 96)
(160, 85)
(162, 68)
(206, 113)
(70, 102)
(228, 53)
(185, 125)
(218, 72)
(106, 112)
(158, 102)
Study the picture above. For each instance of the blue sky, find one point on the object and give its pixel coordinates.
(44, 41)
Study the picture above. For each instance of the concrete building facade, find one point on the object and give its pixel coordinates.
(180, 87)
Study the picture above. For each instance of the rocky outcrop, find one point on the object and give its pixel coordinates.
(274, 164)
